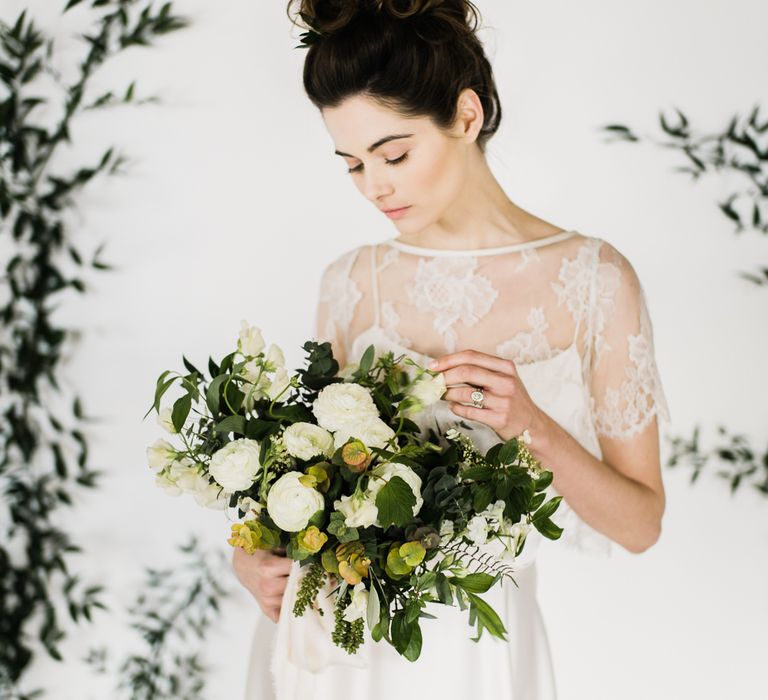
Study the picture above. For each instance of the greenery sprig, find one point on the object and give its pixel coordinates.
(44, 457)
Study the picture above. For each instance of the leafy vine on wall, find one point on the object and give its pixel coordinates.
(740, 149)
(44, 460)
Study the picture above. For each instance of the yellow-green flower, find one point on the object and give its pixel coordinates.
(252, 535)
(356, 456)
(353, 564)
(317, 477)
(311, 540)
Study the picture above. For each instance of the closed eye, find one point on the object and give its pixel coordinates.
(358, 168)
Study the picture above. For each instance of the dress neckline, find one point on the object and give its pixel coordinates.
(537, 243)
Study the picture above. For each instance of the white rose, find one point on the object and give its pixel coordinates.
(275, 357)
(236, 465)
(358, 605)
(291, 504)
(307, 440)
(210, 495)
(167, 484)
(160, 454)
(184, 473)
(250, 342)
(384, 472)
(373, 432)
(477, 529)
(164, 420)
(358, 511)
(280, 381)
(342, 404)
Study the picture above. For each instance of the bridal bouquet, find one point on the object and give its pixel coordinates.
(333, 466)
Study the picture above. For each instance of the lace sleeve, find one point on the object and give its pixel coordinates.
(625, 387)
(338, 295)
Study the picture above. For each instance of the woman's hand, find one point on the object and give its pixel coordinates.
(507, 407)
(265, 575)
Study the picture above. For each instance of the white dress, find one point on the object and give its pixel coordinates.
(570, 311)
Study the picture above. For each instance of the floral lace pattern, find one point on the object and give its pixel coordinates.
(528, 347)
(451, 289)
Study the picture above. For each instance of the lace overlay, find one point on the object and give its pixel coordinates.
(571, 314)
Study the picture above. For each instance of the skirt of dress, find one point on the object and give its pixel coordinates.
(451, 665)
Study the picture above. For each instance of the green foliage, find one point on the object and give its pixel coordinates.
(34, 200)
(395, 502)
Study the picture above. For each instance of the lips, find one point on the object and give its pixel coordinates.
(389, 211)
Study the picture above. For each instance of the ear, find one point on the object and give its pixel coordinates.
(469, 115)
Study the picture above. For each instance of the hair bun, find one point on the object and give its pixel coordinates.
(330, 16)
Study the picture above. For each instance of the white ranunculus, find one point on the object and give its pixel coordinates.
(342, 404)
(210, 495)
(373, 432)
(236, 465)
(184, 473)
(164, 420)
(358, 605)
(291, 504)
(250, 342)
(358, 511)
(381, 474)
(160, 454)
(477, 529)
(167, 484)
(275, 356)
(307, 440)
(280, 380)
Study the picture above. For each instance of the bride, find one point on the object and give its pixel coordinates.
(550, 324)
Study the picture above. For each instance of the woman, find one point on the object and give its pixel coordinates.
(551, 324)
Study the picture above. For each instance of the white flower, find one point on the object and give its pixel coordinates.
(359, 511)
(358, 605)
(494, 514)
(517, 532)
(381, 475)
(236, 465)
(164, 420)
(526, 437)
(184, 473)
(250, 342)
(307, 440)
(250, 507)
(452, 433)
(280, 381)
(167, 484)
(291, 504)
(275, 357)
(342, 404)
(425, 390)
(477, 529)
(210, 495)
(160, 454)
(252, 371)
(446, 531)
(372, 431)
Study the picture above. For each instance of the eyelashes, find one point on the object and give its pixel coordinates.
(402, 158)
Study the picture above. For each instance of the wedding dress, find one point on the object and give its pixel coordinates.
(570, 311)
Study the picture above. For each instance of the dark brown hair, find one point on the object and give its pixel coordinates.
(413, 56)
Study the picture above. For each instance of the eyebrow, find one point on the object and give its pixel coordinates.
(376, 144)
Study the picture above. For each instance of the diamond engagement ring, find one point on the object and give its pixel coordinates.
(477, 397)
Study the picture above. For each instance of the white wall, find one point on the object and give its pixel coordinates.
(234, 194)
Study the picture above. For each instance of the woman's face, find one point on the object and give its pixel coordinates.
(421, 171)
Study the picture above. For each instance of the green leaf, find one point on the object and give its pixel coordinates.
(508, 452)
(373, 611)
(486, 618)
(212, 396)
(366, 361)
(395, 503)
(544, 480)
(475, 583)
(547, 509)
(231, 424)
(547, 528)
(181, 408)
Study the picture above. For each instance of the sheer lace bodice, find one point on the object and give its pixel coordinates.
(527, 302)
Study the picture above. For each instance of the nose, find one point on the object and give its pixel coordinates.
(376, 185)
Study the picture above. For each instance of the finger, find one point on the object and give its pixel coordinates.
(501, 384)
(273, 614)
(483, 415)
(273, 601)
(463, 394)
(475, 357)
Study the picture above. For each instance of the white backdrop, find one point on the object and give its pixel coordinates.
(233, 194)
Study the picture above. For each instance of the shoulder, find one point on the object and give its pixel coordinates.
(341, 265)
